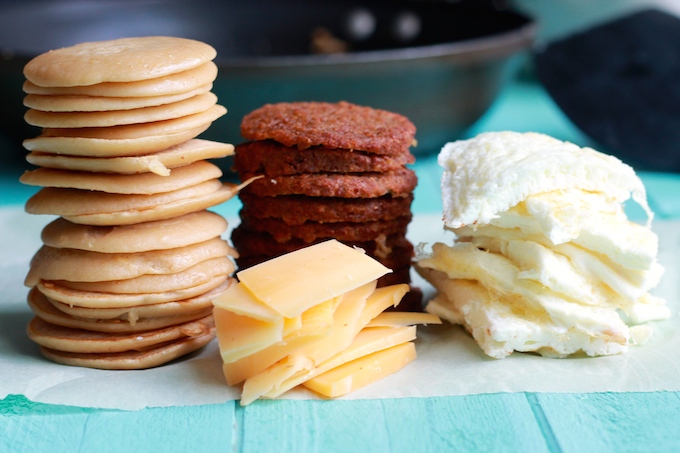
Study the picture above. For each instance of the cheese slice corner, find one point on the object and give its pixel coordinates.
(238, 299)
(363, 371)
(240, 336)
(296, 281)
(403, 318)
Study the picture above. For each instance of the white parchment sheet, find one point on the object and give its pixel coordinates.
(449, 362)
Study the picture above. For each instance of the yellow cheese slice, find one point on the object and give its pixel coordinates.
(290, 325)
(363, 371)
(238, 299)
(345, 327)
(295, 367)
(368, 341)
(316, 324)
(382, 299)
(240, 336)
(399, 318)
(297, 281)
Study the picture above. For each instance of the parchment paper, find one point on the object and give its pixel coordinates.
(449, 362)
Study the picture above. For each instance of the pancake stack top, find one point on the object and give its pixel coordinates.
(330, 171)
(128, 271)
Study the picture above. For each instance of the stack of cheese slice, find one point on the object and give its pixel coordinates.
(313, 317)
(128, 270)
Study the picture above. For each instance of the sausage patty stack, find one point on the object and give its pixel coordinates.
(330, 171)
(129, 269)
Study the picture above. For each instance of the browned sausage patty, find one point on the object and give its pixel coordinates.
(398, 183)
(342, 231)
(250, 243)
(274, 159)
(298, 209)
(342, 125)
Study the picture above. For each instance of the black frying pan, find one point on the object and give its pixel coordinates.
(440, 63)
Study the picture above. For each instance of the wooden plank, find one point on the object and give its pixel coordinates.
(613, 422)
(470, 423)
(33, 427)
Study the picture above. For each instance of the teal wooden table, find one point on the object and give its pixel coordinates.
(522, 422)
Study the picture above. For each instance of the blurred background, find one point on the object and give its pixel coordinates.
(447, 65)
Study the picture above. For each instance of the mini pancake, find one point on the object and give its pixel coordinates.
(195, 275)
(141, 237)
(179, 109)
(144, 183)
(131, 360)
(78, 340)
(132, 314)
(342, 125)
(84, 266)
(180, 82)
(159, 163)
(111, 300)
(274, 159)
(342, 231)
(80, 103)
(126, 140)
(105, 148)
(161, 212)
(296, 210)
(73, 202)
(45, 310)
(117, 60)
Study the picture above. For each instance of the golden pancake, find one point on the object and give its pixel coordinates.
(166, 211)
(79, 340)
(131, 360)
(180, 82)
(195, 275)
(118, 60)
(45, 310)
(141, 237)
(111, 300)
(80, 103)
(160, 163)
(70, 202)
(132, 314)
(83, 266)
(179, 109)
(144, 183)
(105, 148)
(126, 140)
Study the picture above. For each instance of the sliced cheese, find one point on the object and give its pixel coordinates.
(368, 341)
(363, 371)
(346, 324)
(289, 368)
(316, 324)
(297, 281)
(403, 318)
(290, 325)
(382, 299)
(238, 299)
(240, 336)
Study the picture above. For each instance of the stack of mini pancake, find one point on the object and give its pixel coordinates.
(331, 170)
(128, 270)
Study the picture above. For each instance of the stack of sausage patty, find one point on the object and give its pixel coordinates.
(128, 270)
(330, 171)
